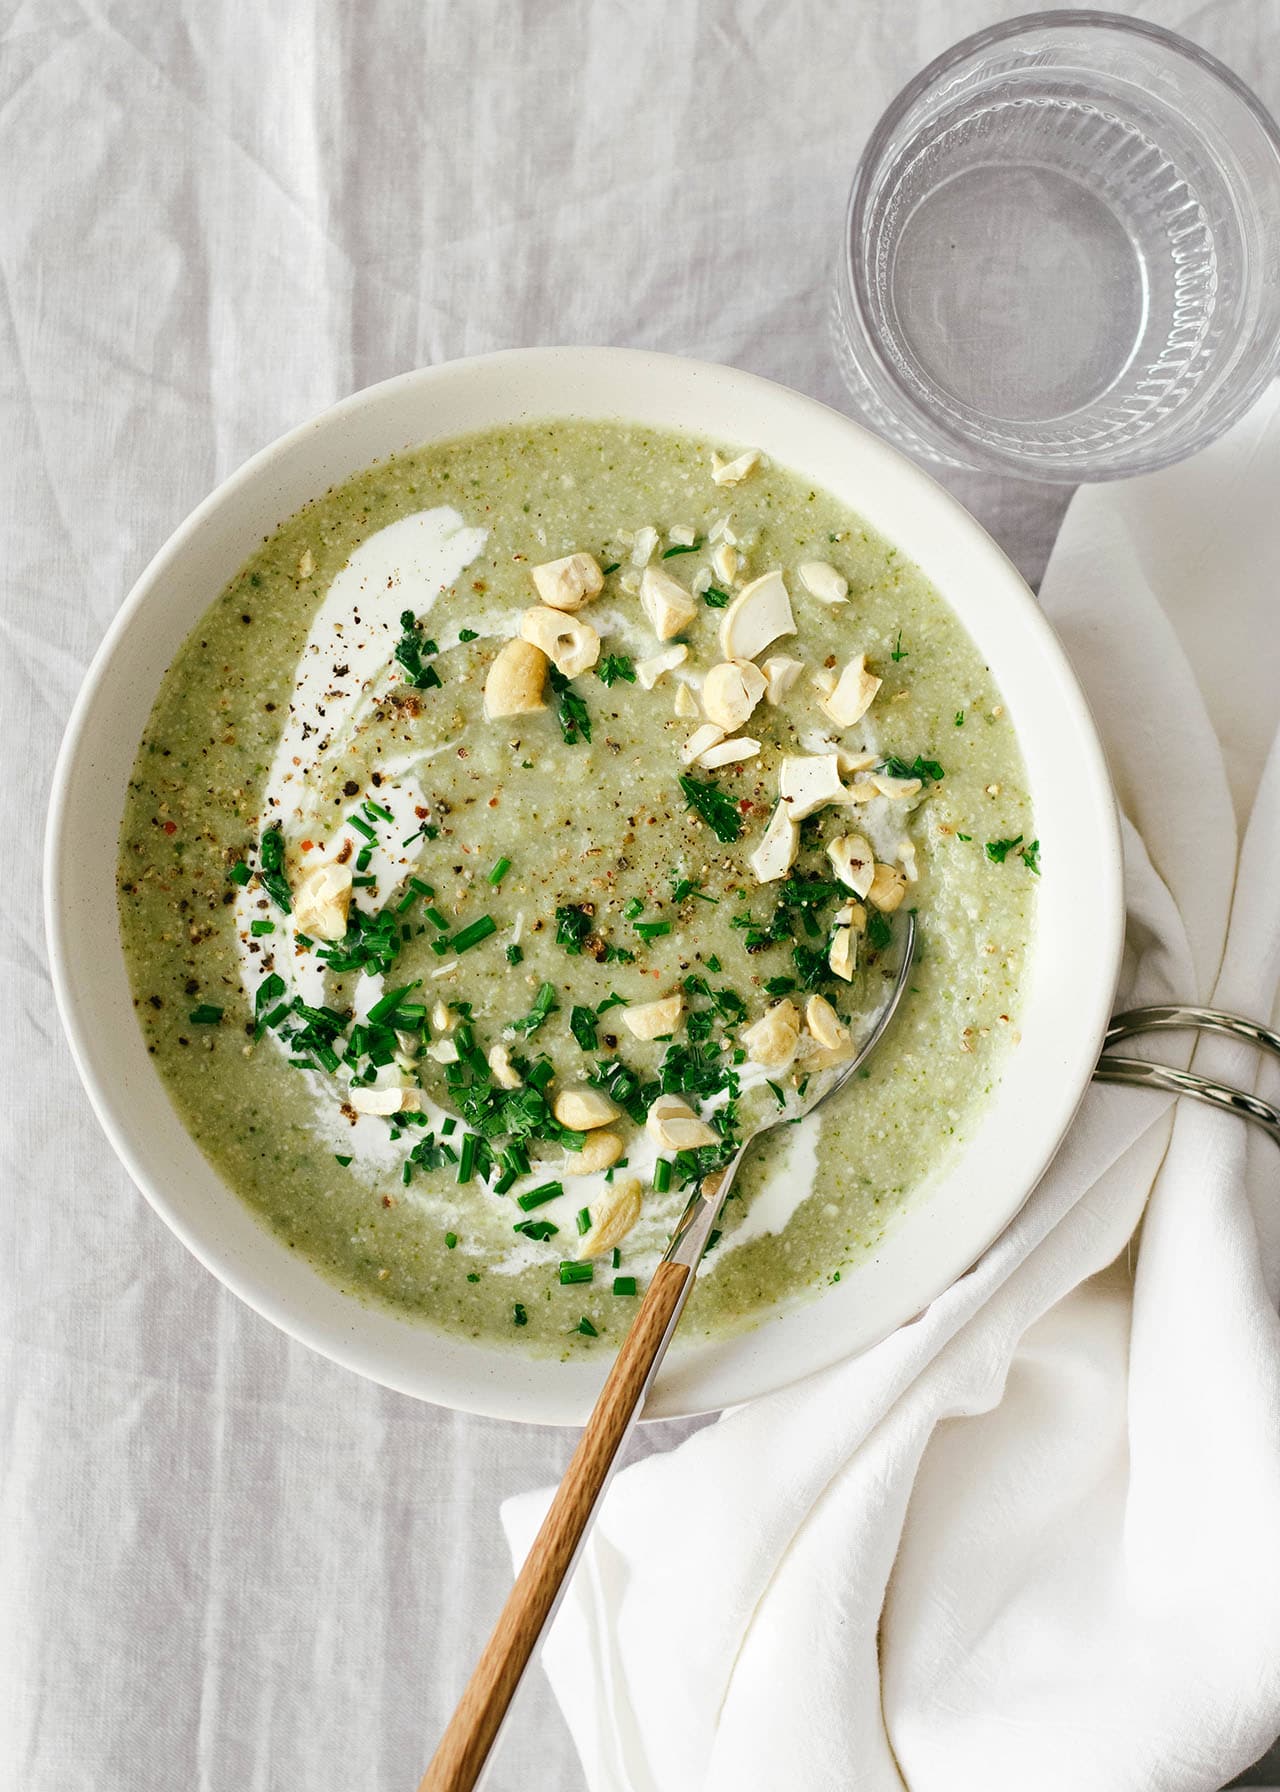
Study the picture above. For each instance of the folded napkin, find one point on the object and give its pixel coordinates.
(1033, 1539)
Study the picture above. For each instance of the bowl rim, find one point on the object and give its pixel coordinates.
(682, 1391)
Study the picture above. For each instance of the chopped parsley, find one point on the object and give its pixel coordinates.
(586, 1328)
(515, 954)
(582, 1024)
(959, 718)
(1031, 857)
(899, 651)
(709, 802)
(205, 1014)
(715, 598)
(998, 850)
(518, 1314)
(614, 666)
(467, 634)
(571, 711)
(879, 930)
(927, 770)
(409, 652)
(573, 924)
(682, 547)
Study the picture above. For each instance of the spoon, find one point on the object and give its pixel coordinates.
(473, 1730)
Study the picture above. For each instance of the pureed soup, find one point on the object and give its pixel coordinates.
(530, 815)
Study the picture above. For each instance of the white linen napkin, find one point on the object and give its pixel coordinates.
(1032, 1539)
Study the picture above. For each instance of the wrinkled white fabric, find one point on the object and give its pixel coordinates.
(1031, 1539)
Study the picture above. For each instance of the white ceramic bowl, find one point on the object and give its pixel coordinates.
(1076, 951)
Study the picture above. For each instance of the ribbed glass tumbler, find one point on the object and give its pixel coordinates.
(1062, 254)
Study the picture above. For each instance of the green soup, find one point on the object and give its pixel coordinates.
(497, 896)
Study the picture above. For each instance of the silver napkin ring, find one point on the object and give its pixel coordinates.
(1161, 1017)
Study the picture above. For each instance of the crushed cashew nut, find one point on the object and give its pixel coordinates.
(569, 583)
(654, 1020)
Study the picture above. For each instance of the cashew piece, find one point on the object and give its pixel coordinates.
(514, 684)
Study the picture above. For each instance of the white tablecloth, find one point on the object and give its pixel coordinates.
(223, 1562)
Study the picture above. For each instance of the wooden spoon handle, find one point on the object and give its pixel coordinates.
(465, 1746)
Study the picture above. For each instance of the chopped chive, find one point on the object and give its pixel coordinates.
(437, 919)
(681, 547)
(899, 651)
(240, 873)
(451, 1241)
(375, 809)
(259, 928)
(624, 1284)
(582, 1219)
(538, 1197)
(538, 1230)
(544, 1003)
(959, 718)
(518, 1315)
(406, 1171)
(652, 930)
(514, 954)
(586, 1328)
(615, 1257)
(416, 888)
(662, 1176)
(205, 1014)
(344, 1161)
(364, 858)
(612, 567)
(450, 1126)
(387, 1005)
(575, 1272)
(467, 1161)
(472, 935)
(271, 849)
(499, 871)
(362, 827)
(363, 883)
(634, 907)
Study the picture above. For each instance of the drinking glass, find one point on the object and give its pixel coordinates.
(1062, 253)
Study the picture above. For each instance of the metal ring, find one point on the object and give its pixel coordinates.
(1165, 1015)
(1138, 1073)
